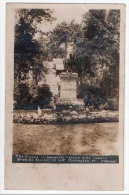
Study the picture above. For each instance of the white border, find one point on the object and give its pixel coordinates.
(2, 97)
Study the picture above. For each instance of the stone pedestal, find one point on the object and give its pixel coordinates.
(68, 88)
(68, 94)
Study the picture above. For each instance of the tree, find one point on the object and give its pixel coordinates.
(60, 36)
(102, 45)
(97, 51)
(27, 50)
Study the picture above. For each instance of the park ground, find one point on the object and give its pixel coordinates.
(78, 139)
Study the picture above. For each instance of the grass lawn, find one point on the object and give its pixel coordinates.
(79, 139)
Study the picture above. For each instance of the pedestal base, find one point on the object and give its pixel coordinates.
(70, 104)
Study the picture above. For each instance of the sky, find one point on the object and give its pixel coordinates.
(64, 12)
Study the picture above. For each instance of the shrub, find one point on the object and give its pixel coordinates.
(21, 95)
(29, 96)
(44, 95)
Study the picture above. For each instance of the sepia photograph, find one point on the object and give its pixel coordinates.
(66, 81)
(65, 96)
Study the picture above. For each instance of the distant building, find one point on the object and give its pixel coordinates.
(54, 67)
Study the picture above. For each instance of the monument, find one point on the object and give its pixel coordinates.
(68, 93)
(68, 88)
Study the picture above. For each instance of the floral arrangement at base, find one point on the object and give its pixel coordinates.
(68, 104)
(60, 118)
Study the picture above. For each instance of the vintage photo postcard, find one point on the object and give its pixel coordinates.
(64, 96)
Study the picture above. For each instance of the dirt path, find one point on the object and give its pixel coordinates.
(86, 139)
